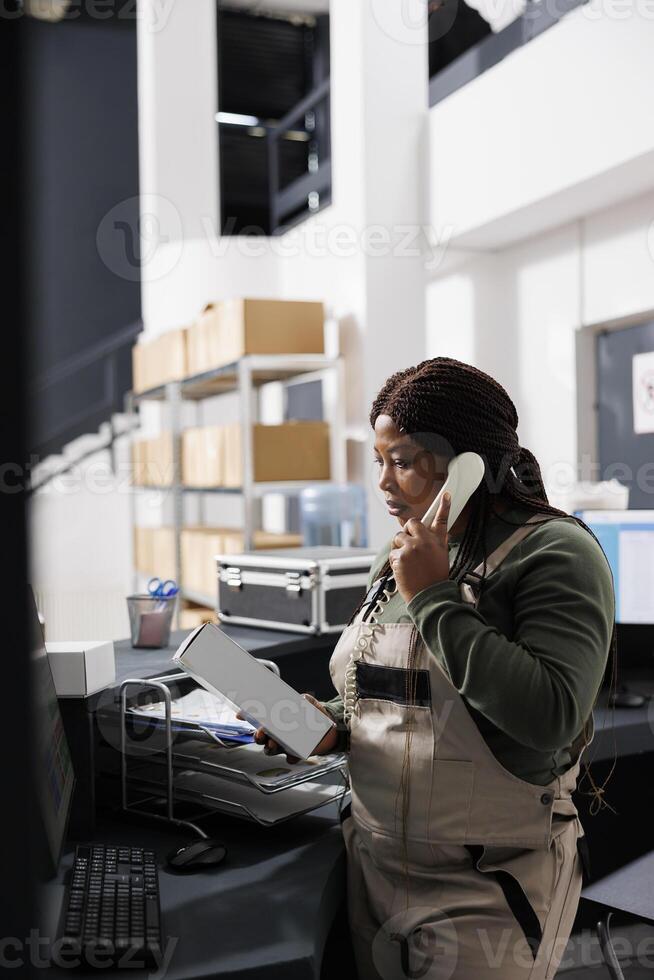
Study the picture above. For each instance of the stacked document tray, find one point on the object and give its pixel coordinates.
(224, 795)
(208, 757)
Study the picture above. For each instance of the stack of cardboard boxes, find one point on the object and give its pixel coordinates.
(154, 551)
(152, 461)
(159, 361)
(200, 545)
(226, 331)
(212, 455)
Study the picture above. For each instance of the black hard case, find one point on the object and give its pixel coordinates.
(305, 590)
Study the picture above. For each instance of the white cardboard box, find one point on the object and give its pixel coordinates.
(81, 667)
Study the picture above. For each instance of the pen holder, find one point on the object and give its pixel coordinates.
(150, 619)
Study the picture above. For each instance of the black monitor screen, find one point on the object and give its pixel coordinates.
(54, 773)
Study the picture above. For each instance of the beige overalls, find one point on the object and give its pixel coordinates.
(494, 873)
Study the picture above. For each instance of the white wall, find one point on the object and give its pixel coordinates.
(352, 255)
(540, 221)
(178, 100)
(618, 261)
(515, 313)
(560, 128)
(81, 551)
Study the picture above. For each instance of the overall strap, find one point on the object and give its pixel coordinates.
(495, 559)
(471, 579)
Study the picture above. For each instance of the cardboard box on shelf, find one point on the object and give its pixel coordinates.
(294, 450)
(152, 461)
(163, 552)
(154, 551)
(234, 541)
(158, 361)
(203, 345)
(199, 545)
(192, 616)
(227, 330)
(202, 456)
(143, 550)
(232, 449)
(190, 457)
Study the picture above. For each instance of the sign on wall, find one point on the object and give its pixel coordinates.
(643, 392)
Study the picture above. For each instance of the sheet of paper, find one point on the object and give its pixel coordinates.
(636, 585)
(643, 392)
(198, 707)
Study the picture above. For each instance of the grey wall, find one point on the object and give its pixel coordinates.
(81, 127)
(617, 441)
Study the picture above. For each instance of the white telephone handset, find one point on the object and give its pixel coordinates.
(464, 474)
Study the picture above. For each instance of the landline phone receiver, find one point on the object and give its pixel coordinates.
(464, 474)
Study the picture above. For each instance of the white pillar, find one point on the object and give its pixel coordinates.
(389, 79)
(178, 132)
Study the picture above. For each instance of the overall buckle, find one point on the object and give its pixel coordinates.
(470, 585)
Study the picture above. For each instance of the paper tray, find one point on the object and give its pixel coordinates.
(248, 764)
(196, 711)
(247, 802)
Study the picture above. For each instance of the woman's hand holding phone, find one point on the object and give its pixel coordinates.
(271, 747)
(419, 556)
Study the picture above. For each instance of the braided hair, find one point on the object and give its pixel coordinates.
(450, 407)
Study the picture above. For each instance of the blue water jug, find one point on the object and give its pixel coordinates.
(334, 514)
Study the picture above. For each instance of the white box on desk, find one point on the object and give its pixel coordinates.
(81, 667)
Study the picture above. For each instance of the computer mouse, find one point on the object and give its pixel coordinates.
(198, 856)
(625, 698)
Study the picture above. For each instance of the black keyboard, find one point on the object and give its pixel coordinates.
(112, 915)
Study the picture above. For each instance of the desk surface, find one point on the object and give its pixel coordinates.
(630, 889)
(265, 912)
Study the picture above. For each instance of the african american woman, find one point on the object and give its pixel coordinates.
(466, 681)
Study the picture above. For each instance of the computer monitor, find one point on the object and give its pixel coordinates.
(54, 774)
(627, 538)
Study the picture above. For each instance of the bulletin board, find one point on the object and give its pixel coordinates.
(625, 403)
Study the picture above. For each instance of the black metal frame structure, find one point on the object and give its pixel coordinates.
(537, 18)
(290, 201)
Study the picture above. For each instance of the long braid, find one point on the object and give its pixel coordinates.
(449, 407)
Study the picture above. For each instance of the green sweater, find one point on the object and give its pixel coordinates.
(530, 659)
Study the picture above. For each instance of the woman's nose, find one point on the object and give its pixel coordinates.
(385, 479)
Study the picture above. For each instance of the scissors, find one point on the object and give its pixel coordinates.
(162, 589)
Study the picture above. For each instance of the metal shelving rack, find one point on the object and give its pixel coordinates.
(245, 376)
